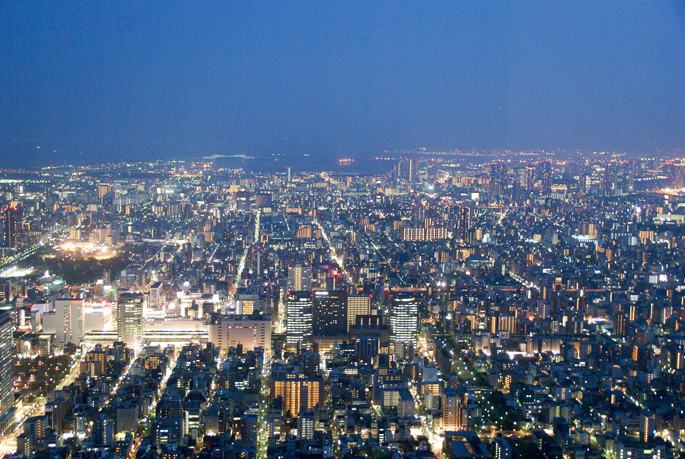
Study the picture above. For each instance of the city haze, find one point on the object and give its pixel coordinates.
(144, 80)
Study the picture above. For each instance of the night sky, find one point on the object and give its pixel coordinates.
(95, 80)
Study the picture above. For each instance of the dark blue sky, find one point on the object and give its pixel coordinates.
(106, 80)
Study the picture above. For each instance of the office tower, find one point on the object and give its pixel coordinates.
(609, 180)
(529, 178)
(516, 191)
(498, 178)
(404, 318)
(298, 318)
(679, 175)
(289, 168)
(6, 364)
(249, 331)
(464, 225)
(13, 216)
(329, 314)
(545, 171)
(357, 305)
(130, 320)
(299, 278)
(405, 169)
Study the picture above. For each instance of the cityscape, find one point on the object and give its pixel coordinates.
(445, 229)
(525, 307)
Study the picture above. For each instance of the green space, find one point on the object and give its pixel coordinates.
(496, 412)
(38, 376)
(79, 269)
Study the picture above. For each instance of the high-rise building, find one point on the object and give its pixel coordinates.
(498, 178)
(130, 320)
(620, 324)
(357, 305)
(464, 224)
(299, 278)
(34, 433)
(13, 217)
(453, 410)
(103, 189)
(329, 313)
(404, 317)
(545, 172)
(6, 363)
(298, 318)
(405, 169)
(679, 175)
(647, 427)
(299, 393)
(529, 178)
(65, 321)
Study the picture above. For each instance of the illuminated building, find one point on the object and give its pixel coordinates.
(404, 317)
(130, 320)
(298, 317)
(357, 305)
(299, 393)
(13, 217)
(6, 363)
(453, 410)
(464, 224)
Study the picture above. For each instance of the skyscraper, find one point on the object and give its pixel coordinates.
(404, 317)
(13, 217)
(6, 364)
(498, 178)
(299, 278)
(130, 320)
(464, 224)
(298, 318)
(545, 171)
(329, 314)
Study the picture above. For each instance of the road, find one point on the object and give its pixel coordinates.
(263, 419)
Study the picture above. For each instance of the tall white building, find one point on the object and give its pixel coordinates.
(130, 320)
(404, 317)
(298, 318)
(65, 320)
